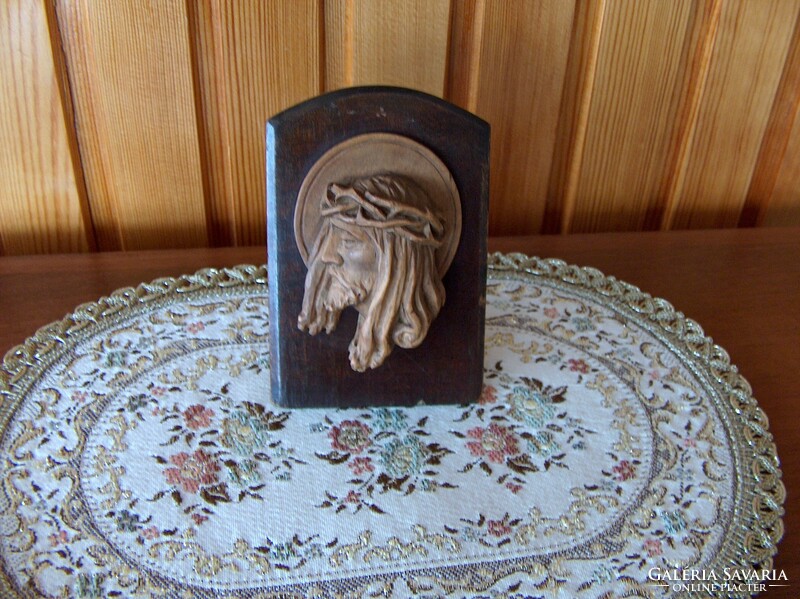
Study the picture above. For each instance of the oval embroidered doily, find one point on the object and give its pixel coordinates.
(142, 457)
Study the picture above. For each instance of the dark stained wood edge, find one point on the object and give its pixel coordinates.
(310, 370)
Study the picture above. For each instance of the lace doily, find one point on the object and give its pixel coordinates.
(142, 456)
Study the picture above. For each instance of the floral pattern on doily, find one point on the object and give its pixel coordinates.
(392, 458)
(527, 433)
(146, 461)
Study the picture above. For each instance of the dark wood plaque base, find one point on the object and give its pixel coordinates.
(314, 371)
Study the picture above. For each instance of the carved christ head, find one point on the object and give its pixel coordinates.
(375, 251)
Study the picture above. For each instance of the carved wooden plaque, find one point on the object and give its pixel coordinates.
(376, 220)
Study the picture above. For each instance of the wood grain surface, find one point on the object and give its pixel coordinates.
(740, 285)
(633, 113)
(140, 124)
(784, 205)
(253, 59)
(130, 70)
(387, 43)
(526, 58)
(42, 206)
(724, 148)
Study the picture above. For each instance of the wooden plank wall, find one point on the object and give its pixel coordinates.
(140, 123)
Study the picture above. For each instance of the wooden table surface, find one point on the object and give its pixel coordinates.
(742, 286)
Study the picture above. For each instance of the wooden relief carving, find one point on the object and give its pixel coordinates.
(377, 222)
(377, 202)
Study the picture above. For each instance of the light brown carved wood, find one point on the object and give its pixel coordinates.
(605, 114)
(41, 208)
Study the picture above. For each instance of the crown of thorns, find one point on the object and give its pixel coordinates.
(384, 202)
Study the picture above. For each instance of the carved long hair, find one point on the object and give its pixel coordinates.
(394, 213)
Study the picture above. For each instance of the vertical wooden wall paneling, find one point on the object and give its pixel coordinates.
(575, 104)
(130, 72)
(382, 42)
(62, 76)
(641, 72)
(202, 53)
(339, 38)
(141, 124)
(507, 64)
(733, 113)
(254, 59)
(42, 204)
(464, 53)
(781, 128)
(105, 221)
(700, 50)
(784, 206)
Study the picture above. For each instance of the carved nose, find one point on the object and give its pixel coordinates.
(330, 255)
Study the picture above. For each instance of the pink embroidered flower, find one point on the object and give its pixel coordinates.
(498, 528)
(195, 327)
(361, 465)
(198, 416)
(199, 519)
(689, 442)
(158, 391)
(351, 436)
(624, 470)
(654, 375)
(80, 396)
(157, 411)
(551, 312)
(578, 366)
(488, 395)
(353, 497)
(494, 442)
(150, 533)
(58, 538)
(514, 487)
(192, 471)
(653, 547)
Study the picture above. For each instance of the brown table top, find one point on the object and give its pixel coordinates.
(742, 286)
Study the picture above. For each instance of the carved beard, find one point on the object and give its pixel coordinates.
(341, 292)
(327, 293)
